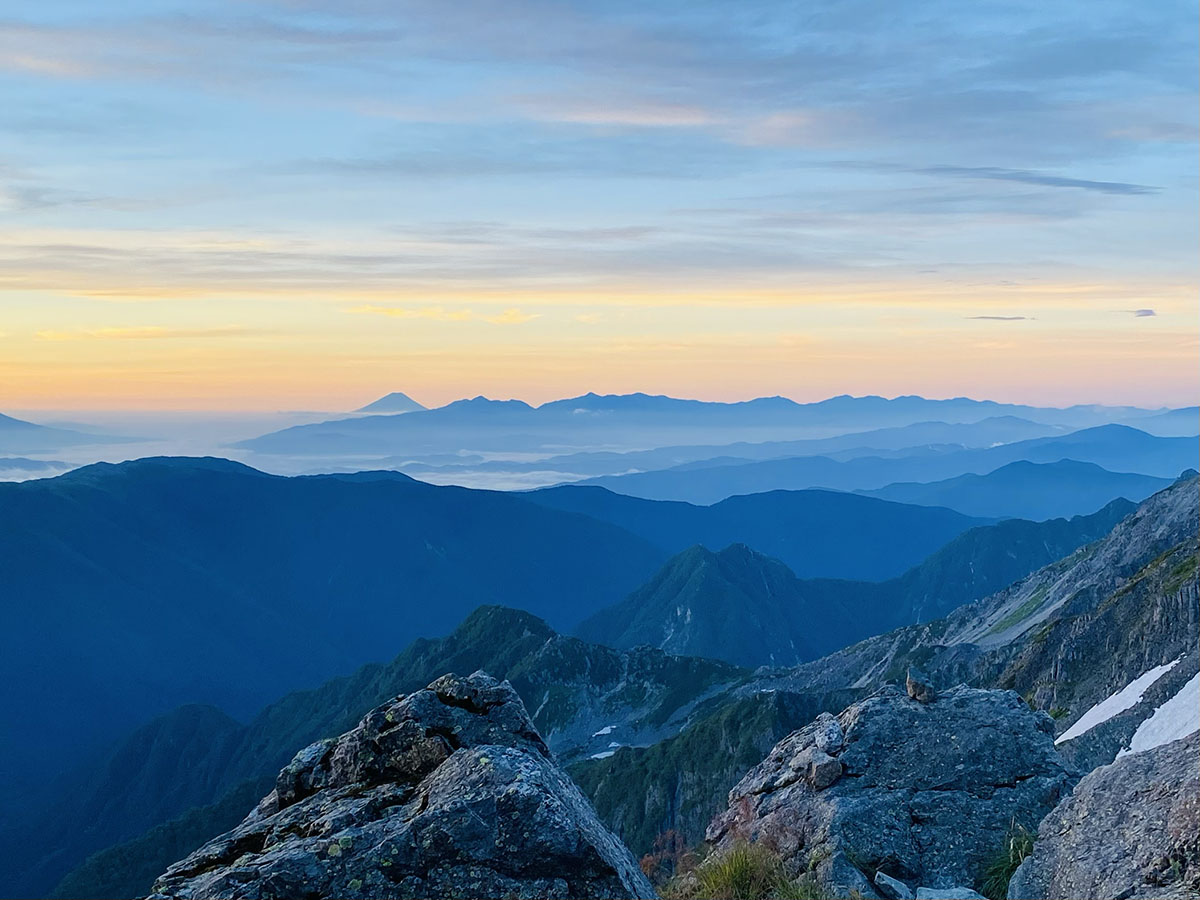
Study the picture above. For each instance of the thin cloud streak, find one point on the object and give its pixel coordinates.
(511, 316)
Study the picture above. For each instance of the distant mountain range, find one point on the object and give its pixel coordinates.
(1028, 490)
(19, 436)
(640, 420)
(1118, 448)
(741, 606)
(914, 438)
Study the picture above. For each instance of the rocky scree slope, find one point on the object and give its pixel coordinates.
(679, 784)
(923, 792)
(1130, 830)
(448, 792)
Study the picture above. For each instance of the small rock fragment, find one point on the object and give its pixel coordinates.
(950, 893)
(828, 735)
(824, 770)
(892, 888)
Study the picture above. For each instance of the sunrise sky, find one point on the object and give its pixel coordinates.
(304, 204)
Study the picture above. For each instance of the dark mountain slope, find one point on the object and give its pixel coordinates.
(679, 784)
(736, 605)
(743, 607)
(815, 533)
(1028, 490)
(583, 698)
(163, 582)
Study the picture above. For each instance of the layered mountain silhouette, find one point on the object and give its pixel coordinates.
(815, 533)
(19, 436)
(639, 420)
(1028, 490)
(1118, 448)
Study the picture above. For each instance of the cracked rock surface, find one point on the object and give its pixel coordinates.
(926, 792)
(1130, 830)
(448, 792)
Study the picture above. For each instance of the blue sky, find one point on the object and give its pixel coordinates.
(212, 204)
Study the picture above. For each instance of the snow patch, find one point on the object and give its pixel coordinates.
(607, 729)
(603, 754)
(1126, 698)
(1173, 721)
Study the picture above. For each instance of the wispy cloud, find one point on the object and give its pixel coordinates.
(1143, 313)
(1024, 176)
(512, 316)
(1002, 318)
(147, 332)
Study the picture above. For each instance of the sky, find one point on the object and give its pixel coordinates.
(304, 204)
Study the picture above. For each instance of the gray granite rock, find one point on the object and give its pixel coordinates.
(892, 888)
(1129, 830)
(927, 792)
(448, 792)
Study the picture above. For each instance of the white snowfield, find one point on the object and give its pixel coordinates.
(1126, 698)
(1173, 721)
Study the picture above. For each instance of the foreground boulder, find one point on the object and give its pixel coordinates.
(926, 792)
(448, 792)
(1130, 830)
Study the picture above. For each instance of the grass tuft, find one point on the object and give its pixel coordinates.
(1018, 844)
(745, 872)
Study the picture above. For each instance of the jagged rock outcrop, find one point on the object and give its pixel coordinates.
(448, 792)
(1130, 830)
(923, 792)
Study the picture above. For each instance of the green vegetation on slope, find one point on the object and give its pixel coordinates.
(680, 783)
(128, 870)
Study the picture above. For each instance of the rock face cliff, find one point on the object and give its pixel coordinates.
(448, 792)
(923, 792)
(1130, 830)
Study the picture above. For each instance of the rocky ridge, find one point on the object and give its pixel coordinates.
(447, 792)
